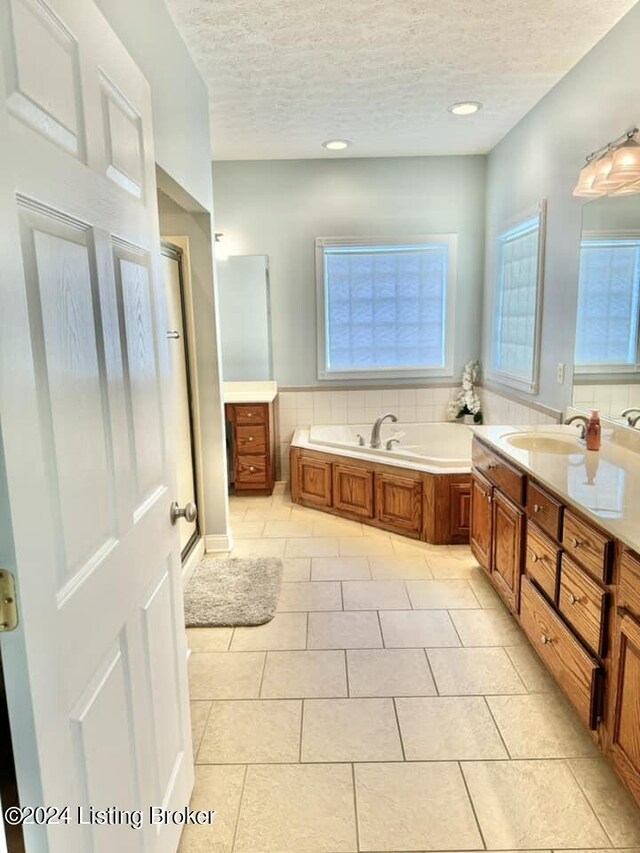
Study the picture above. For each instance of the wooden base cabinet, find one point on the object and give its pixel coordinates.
(253, 446)
(435, 508)
(575, 592)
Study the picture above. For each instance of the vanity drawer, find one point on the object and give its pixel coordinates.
(582, 603)
(544, 510)
(542, 559)
(251, 471)
(249, 413)
(508, 479)
(587, 545)
(251, 439)
(629, 582)
(573, 668)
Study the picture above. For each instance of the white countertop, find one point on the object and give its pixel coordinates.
(250, 392)
(604, 484)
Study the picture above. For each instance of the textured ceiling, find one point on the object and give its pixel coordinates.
(285, 75)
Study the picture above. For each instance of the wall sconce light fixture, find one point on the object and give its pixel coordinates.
(614, 169)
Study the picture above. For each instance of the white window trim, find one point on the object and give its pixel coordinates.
(599, 369)
(448, 240)
(503, 377)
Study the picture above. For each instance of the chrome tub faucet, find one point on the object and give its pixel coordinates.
(375, 432)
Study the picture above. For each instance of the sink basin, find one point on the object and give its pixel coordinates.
(536, 442)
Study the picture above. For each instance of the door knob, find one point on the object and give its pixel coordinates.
(189, 512)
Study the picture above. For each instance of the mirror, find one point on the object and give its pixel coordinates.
(607, 353)
(245, 318)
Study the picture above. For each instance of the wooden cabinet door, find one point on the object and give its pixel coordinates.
(508, 529)
(399, 502)
(459, 512)
(625, 727)
(481, 520)
(314, 481)
(353, 490)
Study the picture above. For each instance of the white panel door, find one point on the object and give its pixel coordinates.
(96, 672)
(176, 335)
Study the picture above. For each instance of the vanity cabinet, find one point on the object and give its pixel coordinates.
(311, 481)
(252, 446)
(575, 592)
(625, 710)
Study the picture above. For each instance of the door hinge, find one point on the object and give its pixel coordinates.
(8, 607)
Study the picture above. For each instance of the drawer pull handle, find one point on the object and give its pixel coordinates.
(250, 438)
(249, 414)
(534, 558)
(573, 599)
(251, 468)
(545, 640)
(575, 542)
(489, 498)
(538, 508)
(491, 465)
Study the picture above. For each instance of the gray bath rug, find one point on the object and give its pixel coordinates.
(233, 592)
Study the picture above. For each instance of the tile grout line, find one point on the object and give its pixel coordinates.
(204, 730)
(237, 822)
(264, 669)
(585, 795)
(395, 708)
(355, 804)
(495, 723)
(346, 674)
(384, 645)
(433, 675)
(303, 703)
(471, 803)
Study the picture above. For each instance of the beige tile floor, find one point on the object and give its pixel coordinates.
(391, 705)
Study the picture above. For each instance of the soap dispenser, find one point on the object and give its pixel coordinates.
(594, 431)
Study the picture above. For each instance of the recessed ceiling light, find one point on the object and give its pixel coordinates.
(465, 108)
(336, 144)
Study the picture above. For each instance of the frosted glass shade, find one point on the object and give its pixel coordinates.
(632, 188)
(584, 187)
(603, 180)
(626, 163)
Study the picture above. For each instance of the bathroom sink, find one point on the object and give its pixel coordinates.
(536, 442)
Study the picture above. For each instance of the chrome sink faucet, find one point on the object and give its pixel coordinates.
(583, 424)
(632, 414)
(375, 432)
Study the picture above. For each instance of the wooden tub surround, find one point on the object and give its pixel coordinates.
(432, 507)
(574, 588)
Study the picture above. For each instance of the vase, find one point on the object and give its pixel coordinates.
(468, 419)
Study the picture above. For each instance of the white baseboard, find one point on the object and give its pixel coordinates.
(218, 543)
(192, 561)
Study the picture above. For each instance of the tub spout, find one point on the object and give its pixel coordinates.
(375, 432)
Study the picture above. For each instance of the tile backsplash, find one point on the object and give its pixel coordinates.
(304, 408)
(609, 399)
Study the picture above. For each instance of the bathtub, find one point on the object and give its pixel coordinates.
(442, 448)
(421, 487)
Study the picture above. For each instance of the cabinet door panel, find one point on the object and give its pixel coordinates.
(460, 511)
(508, 526)
(314, 481)
(353, 490)
(399, 502)
(625, 736)
(481, 520)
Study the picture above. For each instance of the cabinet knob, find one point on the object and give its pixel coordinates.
(250, 438)
(575, 542)
(249, 414)
(489, 498)
(573, 599)
(537, 508)
(252, 468)
(491, 465)
(545, 640)
(534, 558)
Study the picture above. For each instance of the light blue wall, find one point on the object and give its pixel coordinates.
(540, 158)
(278, 208)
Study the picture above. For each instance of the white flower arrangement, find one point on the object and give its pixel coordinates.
(467, 400)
